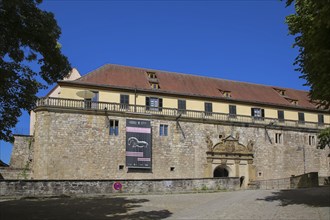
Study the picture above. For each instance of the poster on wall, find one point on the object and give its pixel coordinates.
(138, 144)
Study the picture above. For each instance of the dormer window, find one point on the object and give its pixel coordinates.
(153, 81)
(225, 93)
(154, 85)
(151, 75)
(292, 101)
(280, 91)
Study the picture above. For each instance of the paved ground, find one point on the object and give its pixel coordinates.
(252, 204)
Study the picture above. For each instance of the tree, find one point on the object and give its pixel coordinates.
(311, 27)
(324, 138)
(28, 41)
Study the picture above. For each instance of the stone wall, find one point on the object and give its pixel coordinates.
(22, 154)
(305, 180)
(29, 188)
(283, 183)
(324, 180)
(76, 145)
(9, 173)
(300, 181)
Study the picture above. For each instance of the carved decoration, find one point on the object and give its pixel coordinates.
(209, 143)
(231, 145)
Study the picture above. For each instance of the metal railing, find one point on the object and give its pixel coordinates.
(149, 110)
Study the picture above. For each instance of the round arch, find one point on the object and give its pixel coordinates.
(221, 171)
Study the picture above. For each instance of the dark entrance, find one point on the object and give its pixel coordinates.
(220, 172)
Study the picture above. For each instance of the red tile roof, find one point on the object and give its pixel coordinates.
(185, 84)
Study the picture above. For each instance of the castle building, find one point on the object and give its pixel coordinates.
(120, 122)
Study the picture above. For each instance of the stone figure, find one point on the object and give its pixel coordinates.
(250, 145)
(237, 136)
(209, 143)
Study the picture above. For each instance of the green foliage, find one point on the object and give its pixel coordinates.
(324, 138)
(311, 27)
(28, 41)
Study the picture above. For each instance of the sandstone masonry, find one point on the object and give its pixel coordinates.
(70, 145)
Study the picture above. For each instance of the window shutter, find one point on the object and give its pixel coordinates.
(147, 103)
(263, 113)
(160, 100)
(252, 111)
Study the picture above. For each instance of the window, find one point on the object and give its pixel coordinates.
(278, 138)
(301, 118)
(311, 140)
(232, 111)
(225, 93)
(181, 106)
(114, 127)
(154, 104)
(280, 91)
(292, 101)
(208, 108)
(95, 98)
(87, 103)
(154, 86)
(163, 130)
(280, 116)
(124, 101)
(92, 102)
(321, 119)
(151, 75)
(258, 113)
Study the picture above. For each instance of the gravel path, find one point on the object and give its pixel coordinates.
(251, 204)
(312, 203)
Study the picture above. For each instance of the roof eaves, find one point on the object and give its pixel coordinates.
(160, 91)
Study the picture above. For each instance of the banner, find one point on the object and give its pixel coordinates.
(138, 144)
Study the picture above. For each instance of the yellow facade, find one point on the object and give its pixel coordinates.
(191, 104)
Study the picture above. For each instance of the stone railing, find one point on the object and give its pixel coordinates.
(171, 112)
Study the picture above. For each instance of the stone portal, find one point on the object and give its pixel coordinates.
(229, 158)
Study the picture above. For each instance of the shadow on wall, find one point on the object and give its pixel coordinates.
(315, 197)
(78, 208)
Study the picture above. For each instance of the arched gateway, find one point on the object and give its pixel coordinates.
(220, 171)
(229, 158)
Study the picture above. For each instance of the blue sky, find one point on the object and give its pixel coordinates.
(241, 40)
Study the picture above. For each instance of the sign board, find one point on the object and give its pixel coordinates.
(138, 144)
